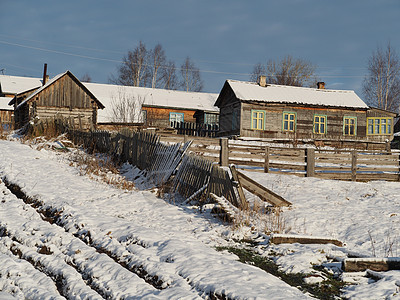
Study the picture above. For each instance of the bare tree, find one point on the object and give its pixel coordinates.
(258, 70)
(288, 71)
(168, 76)
(381, 87)
(191, 79)
(86, 78)
(126, 108)
(134, 68)
(157, 60)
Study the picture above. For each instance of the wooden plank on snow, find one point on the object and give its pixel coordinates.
(261, 191)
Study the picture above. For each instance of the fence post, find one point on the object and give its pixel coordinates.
(223, 154)
(310, 153)
(354, 165)
(266, 160)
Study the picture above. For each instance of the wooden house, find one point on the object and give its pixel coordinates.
(63, 96)
(296, 114)
(9, 87)
(152, 107)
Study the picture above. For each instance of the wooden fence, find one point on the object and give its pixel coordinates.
(355, 165)
(195, 129)
(195, 176)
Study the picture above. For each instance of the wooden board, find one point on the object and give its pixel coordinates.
(278, 239)
(374, 264)
(261, 191)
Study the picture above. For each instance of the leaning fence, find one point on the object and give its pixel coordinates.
(192, 177)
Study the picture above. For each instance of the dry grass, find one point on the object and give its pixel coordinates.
(44, 135)
(258, 218)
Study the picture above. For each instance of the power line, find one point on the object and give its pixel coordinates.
(121, 62)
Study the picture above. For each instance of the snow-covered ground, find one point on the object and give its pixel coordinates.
(82, 238)
(112, 243)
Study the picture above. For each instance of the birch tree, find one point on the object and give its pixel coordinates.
(134, 68)
(381, 86)
(191, 79)
(157, 61)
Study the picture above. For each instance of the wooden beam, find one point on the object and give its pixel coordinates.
(374, 264)
(243, 203)
(224, 154)
(261, 191)
(291, 239)
(310, 156)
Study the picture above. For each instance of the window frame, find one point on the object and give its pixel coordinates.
(263, 112)
(344, 125)
(294, 121)
(176, 113)
(389, 125)
(319, 124)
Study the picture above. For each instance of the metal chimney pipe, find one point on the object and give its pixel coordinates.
(44, 74)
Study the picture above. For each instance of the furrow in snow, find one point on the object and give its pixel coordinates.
(60, 255)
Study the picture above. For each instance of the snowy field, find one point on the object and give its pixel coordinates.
(70, 236)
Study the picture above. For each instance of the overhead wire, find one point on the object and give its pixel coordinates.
(121, 62)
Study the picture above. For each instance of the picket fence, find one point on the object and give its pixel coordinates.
(195, 178)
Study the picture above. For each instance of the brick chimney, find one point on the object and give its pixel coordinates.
(321, 85)
(262, 80)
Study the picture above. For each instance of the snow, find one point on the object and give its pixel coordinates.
(111, 242)
(98, 225)
(251, 91)
(16, 84)
(107, 93)
(4, 103)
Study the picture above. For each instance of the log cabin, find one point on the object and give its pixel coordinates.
(62, 96)
(338, 118)
(152, 107)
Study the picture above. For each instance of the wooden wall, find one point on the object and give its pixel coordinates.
(64, 98)
(304, 123)
(160, 116)
(230, 114)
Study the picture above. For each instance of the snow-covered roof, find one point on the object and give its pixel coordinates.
(108, 93)
(250, 91)
(4, 103)
(17, 84)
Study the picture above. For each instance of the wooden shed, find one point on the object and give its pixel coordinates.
(294, 114)
(63, 96)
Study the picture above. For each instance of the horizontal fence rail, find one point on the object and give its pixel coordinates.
(355, 165)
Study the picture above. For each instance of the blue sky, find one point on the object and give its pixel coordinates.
(223, 38)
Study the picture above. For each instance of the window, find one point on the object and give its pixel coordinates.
(144, 116)
(210, 119)
(319, 124)
(175, 117)
(289, 121)
(350, 125)
(379, 125)
(257, 119)
(235, 119)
